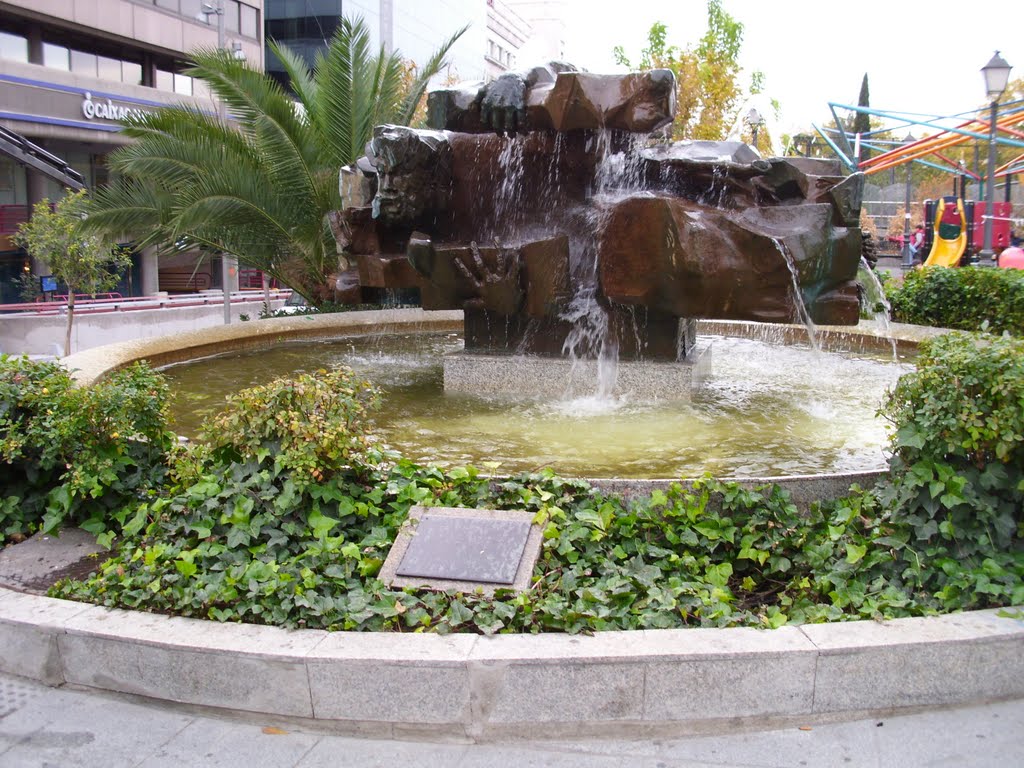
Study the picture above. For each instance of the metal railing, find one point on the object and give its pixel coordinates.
(127, 304)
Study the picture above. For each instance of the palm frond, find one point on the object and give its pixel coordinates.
(299, 76)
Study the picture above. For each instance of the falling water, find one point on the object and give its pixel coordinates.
(716, 192)
(874, 296)
(618, 171)
(617, 174)
(510, 188)
(798, 299)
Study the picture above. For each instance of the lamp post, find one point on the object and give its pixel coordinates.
(754, 120)
(228, 265)
(908, 259)
(997, 75)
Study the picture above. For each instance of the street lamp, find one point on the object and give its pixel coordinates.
(754, 120)
(908, 259)
(997, 75)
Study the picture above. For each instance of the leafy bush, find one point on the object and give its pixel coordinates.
(77, 455)
(958, 463)
(311, 426)
(251, 533)
(967, 299)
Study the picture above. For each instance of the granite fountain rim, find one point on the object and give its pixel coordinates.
(471, 688)
(89, 366)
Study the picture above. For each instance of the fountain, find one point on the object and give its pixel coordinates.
(580, 252)
(619, 272)
(583, 258)
(579, 262)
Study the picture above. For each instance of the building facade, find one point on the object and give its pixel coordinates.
(70, 69)
(412, 27)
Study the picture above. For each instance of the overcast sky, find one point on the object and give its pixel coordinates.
(919, 56)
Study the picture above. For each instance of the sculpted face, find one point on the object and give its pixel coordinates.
(413, 174)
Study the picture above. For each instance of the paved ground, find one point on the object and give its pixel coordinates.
(64, 728)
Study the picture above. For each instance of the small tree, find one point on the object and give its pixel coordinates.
(708, 89)
(86, 263)
(862, 120)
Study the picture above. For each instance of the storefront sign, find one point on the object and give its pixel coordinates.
(108, 110)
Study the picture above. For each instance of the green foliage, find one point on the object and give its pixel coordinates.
(862, 120)
(262, 185)
(28, 286)
(708, 92)
(77, 455)
(85, 262)
(311, 426)
(958, 462)
(967, 299)
(271, 522)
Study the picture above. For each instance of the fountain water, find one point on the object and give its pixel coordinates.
(577, 247)
(581, 258)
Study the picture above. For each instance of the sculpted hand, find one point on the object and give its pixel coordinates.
(499, 289)
(503, 104)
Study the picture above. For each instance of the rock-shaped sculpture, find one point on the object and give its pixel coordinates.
(640, 102)
(577, 237)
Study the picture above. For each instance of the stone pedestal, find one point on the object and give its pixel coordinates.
(556, 378)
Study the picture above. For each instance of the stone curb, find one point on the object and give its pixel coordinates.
(90, 365)
(479, 688)
(476, 688)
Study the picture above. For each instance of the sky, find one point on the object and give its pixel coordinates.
(923, 57)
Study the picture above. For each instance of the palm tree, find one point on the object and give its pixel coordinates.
(261, 186)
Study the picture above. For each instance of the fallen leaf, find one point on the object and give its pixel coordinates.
(272, 731)
(806, 728)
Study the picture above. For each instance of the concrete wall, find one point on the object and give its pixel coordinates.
(29, 334)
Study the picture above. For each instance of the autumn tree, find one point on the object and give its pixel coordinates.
(86, 263)
(708, 90)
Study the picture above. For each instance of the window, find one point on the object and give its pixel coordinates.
(231, 12)
(164, 80)
(56, 57)
(13, 47)
(106, 68)
(192, 9)
(249, 21)
(131, 72)
(83, 63)
(170, 5)
(183, 84)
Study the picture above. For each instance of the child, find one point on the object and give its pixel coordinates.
(917, 243)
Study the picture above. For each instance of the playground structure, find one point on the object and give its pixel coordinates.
(953, 224)
(954, 229)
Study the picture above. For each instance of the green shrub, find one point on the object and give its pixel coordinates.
(311, 426)
(967, 299)
(252, 534)
(77, 454)
(957, 477)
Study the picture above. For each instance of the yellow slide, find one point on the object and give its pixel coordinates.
(950, 234)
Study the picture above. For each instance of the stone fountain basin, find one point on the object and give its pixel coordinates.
(474, 688)
(91, 365)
